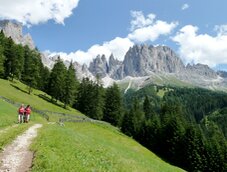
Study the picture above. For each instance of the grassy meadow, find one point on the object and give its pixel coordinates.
(79, 147)
(88, 147)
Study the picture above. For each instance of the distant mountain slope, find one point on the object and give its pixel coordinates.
(159, 65)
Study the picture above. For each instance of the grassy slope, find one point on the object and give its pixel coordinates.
(8, 127)
(76, 146)
(168, 80)
(8, 114)
(17, 92)
(92, 147)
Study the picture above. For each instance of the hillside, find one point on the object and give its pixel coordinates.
(75, 146)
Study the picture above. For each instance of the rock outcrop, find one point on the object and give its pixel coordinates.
(14, 30)
(99, 66)
(142, 60)
(201, 70)
(222, 74)
(114, 66)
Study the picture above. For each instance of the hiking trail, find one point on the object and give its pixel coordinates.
(16, 157)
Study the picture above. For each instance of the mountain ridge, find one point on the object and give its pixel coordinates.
(140, 61)
(143, 61)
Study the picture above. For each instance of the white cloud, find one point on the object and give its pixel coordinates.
(221, 29)
(152, 32)
(142, 29)
(184, 7)
(147, 28)
(31, 12)
(140, 21)
(118, 46)
(202, 48)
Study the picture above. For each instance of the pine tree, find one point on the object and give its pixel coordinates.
(71, 85)
(193, 149)
(127, 124)
(56, 84)
(84, 96)
(216, 148)
(133, 121)
(14, 59)
(97, 100)
(147, 108)
(113, 109)
(10, 54)
(44, 78)
(17, 61)
(30, 74)
(2, 59)
(138, 118)
(90, 99)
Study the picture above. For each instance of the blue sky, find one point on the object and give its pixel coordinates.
(81, 29)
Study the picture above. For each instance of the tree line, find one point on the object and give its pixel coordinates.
(22, 63)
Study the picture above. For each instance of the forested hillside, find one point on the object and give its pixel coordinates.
(186, 122)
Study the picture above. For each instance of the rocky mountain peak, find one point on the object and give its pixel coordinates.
(142, 60)
(99, 66)
(222, 74)
(14, 30)
(202, 70)
(113, 63)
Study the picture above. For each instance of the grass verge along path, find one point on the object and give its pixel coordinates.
(16, 157)
(86, 147)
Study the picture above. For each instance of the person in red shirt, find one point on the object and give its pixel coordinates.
(21, 111)
(27, 113)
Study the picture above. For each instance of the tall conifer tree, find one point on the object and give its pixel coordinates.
(113, 109)
(2, 59)
(57, 80)
(71, 85)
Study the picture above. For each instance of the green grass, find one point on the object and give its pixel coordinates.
(88, 147)
(8, 127)
(18, 92)
(161, 92)
(8, 135)
(8, 114)
(76, 146)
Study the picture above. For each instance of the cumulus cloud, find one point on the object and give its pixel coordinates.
(147, 28)
(143, 28)
(118, 46)
(139, 20)
(30, 12)
(184, 7)
(202, 48)
(221, 29)
(152, 32)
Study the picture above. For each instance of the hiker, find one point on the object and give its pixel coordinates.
(21, 111)
(27, 113)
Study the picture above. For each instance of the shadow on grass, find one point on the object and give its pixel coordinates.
(44, 97)
(19, 88)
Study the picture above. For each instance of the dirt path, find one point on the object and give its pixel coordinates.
(16, 157)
